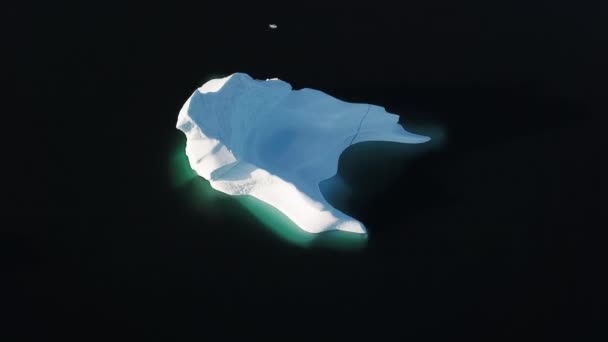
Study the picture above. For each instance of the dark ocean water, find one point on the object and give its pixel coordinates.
(486, 231)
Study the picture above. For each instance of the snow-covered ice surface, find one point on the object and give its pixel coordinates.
(264, 139)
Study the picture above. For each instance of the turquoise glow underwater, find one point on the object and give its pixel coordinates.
(200, 198)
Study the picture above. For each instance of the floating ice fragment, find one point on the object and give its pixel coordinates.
(272, 26)
(266, 140)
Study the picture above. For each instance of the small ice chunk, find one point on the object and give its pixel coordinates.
(272, 26)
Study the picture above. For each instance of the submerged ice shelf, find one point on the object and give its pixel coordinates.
(264, 139)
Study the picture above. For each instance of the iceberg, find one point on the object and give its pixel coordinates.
(264, 139)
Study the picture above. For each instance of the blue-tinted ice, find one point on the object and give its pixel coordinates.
(266, 140)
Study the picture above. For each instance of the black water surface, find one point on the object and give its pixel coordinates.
(490, 232)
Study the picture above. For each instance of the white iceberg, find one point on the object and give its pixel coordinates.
(266, 140)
